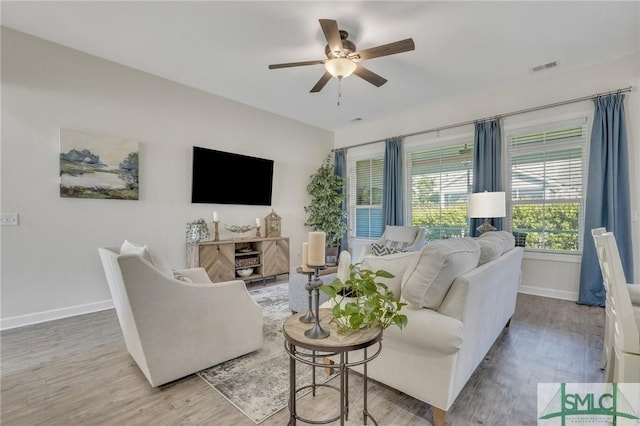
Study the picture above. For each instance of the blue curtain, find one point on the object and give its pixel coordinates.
(607, 195)
(392, 195)
(340, 169)
(487, 165)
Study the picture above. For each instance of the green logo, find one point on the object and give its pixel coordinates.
(590, 407)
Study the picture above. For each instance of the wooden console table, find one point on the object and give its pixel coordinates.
(314, 351)
(269, 257)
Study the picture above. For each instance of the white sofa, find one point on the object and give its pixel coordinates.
(433, 357)
(176, 327)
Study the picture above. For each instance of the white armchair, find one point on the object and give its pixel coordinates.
(174, 328)
(398, 238)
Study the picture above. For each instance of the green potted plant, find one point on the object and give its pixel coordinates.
(325, 209)
(361, 302)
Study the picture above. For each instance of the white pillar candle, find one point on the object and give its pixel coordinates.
(257, 221)
(305, 258)
(215, 216)
(317, 243)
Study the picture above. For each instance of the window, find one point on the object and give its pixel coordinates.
(366, 180)
(440, 180)
(547, 165)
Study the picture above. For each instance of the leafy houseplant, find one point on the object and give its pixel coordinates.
(361, 302)
(325, 209)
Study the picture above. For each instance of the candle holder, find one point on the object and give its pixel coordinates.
(316, 332)
(310, 317)
(258, 232)
(216, 234)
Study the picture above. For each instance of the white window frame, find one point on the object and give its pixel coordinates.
(352, 158)
(583, 118)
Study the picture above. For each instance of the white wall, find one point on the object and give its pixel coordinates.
(547, 275)
(49, 263)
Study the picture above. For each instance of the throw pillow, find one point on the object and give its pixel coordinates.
(395, 264)
(440, 263)
(181, 277)
(382, 249)
(130, 248)
(490, 249)
(507, 239)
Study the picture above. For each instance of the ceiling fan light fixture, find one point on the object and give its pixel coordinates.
(340, 67)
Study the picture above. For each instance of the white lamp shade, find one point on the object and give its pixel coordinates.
(487, 204)
(340, 67)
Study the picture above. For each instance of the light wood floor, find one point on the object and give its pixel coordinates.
(76, 371)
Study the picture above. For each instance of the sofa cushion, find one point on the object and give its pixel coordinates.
(181, 277)
(428, 330)
(490, 248)
(507, 239)
(440, 263)
(396, 264)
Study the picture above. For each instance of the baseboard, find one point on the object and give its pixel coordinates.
(547, 292)
(54, 314)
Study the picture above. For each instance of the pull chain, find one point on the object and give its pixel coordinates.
(339, 89)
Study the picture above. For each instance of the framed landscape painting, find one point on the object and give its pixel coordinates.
(98, 166)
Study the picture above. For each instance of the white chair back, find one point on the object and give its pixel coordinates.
(626, 337)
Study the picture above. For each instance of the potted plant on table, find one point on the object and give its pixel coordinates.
(361, 302)
(325, 209)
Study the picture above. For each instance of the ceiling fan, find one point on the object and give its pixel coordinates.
(343, 58)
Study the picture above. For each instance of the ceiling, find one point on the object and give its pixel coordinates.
(225, 48)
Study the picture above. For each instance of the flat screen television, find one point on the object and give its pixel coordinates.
(226, 178)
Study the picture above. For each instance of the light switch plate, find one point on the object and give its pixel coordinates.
(9, 219)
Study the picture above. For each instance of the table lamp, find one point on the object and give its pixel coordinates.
(486, 205)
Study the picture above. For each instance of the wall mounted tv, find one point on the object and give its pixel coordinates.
(226, 178)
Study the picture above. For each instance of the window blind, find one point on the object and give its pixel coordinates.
(366, 192)
(440, 180)
(547, 165)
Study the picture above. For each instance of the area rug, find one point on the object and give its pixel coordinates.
(257, 384)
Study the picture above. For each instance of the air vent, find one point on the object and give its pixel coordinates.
(544, 66)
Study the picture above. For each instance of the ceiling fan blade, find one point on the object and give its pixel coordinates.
(332, 34)
(321, 83)
(296, 64)
(370, 76)
(384, 50)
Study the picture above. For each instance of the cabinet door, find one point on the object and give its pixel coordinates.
(219, 261)
(275, 257)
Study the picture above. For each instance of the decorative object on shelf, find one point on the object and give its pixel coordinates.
(247, 261)
(325, 209)
(258, 227)
(197, 231)
(369, 303)
(272, 225)
(239, 228)
(486, 205)
(244, 272)
(216, 221)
